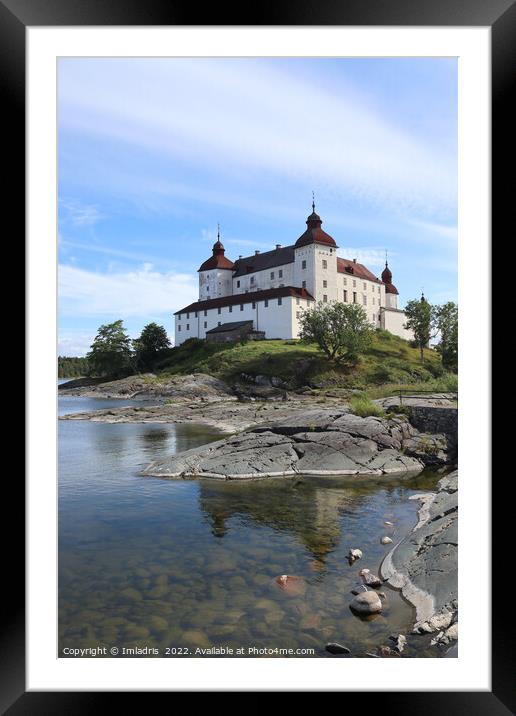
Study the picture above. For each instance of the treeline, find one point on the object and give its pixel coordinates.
(72, 367)
(113, 354)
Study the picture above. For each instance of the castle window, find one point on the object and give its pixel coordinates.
(205, 312)
(298, 301)
(354, 283)
(345, 296)
(345, 281)
(206, 324)
(196, 314)
(238, 284)
(374, 318)
(231, 309)
(280, 301)
(252, 279)
(241, 306)
(266, 303)
(272, 275)
(325, 284)
(378, 289)
(365, 286)
(303, 264)
(354, 297)
(178, 327)
(254, 304)
(303, 285)
(218, 323)
(188, 315)
(373, 300)
(364, 299)
(219, 311)
(280, 273)
(207, 289)
(324, 264)
(325, 298)
(187, 326)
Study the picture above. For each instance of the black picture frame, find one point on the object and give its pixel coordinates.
(15, 17)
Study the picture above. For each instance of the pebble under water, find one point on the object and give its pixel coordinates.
(174, 566)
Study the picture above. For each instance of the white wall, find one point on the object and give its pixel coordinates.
(275, 319)
(261, 280)
(215, 283)
(394, 321)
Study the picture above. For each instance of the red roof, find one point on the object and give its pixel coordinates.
(238, 298)
(390, 288)
(355, 269)
(218, 260)
(314, 234)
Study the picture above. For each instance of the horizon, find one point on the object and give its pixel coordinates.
(154, 153)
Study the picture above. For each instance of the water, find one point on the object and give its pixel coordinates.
(148, 562)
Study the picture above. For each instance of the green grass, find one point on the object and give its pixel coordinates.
(389, 364)
(364, 407)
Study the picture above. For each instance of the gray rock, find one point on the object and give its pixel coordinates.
(317, 442)
(386, 540)
(424, 565)
(366, 603)
(335, 648)
(370, 579)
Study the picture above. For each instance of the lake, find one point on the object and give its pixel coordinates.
(171, 565)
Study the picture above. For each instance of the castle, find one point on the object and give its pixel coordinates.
(263, 295)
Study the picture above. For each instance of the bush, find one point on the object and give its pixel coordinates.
(364, 407)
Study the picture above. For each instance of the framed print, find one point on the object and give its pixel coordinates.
(254, 252)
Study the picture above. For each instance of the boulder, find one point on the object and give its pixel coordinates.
(366, 603)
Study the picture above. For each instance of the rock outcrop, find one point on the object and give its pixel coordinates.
(317, 442)
(197, 386)
(424, 564)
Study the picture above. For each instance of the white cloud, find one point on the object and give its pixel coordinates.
(246, 116)
(74, 343)
(78, 214)
(142, 293)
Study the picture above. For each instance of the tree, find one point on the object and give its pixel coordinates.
(421, 320)
(110, 352)
(447, 323)
(152, 340)
(339, 329)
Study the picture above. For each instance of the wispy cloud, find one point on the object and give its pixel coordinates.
(75, 213)
(251, 116)
(141, 293)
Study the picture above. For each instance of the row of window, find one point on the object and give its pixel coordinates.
(364, 285)
(230, 309)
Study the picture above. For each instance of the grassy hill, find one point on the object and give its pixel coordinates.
(390, 362)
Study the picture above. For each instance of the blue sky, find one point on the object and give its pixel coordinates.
(153, 153)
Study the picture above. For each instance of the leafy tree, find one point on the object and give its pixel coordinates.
(339, 329)
(110, 353)
(447, 322)
(421, 320)
(152, 340)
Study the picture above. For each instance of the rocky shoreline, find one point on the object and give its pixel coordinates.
(424, 564)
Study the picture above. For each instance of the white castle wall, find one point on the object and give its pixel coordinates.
(215, 283)
(262, 280)
(394, 322)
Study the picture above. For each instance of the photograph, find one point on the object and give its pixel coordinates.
(257, 357)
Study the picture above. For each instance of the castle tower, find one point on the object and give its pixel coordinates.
(315, 261)
(215, 274)
(391, 292)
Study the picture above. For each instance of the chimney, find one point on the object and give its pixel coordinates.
(256, 252)
(354, 261)
(240, 257)
(278, 246)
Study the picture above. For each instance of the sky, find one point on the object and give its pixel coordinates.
(154, 153)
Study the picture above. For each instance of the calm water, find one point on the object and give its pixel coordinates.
(159, 563)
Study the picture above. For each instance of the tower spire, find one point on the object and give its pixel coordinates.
(313, 201)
